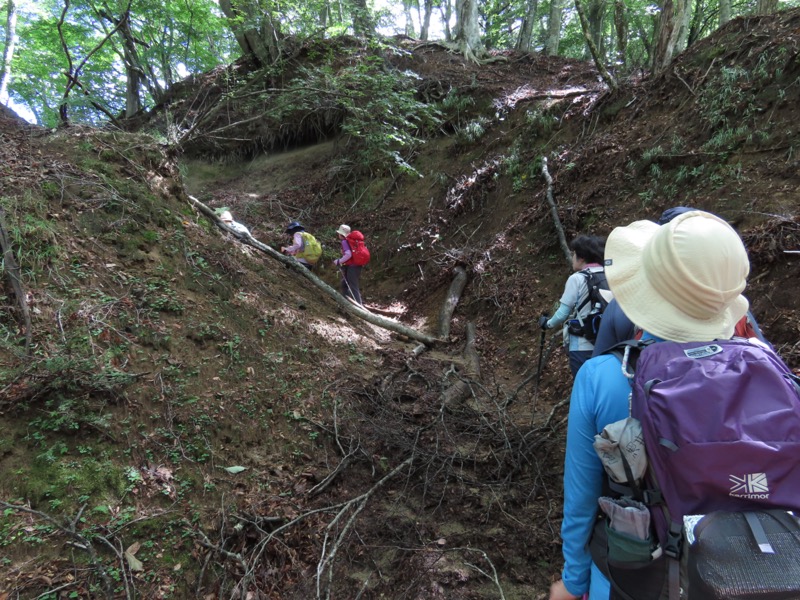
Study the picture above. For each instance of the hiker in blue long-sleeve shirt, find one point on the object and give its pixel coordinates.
(682, 282)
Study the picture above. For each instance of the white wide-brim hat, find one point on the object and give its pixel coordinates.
(343, 230)
(681, 281)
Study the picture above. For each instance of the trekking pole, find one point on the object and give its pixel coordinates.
(347, 283)
(539, 368)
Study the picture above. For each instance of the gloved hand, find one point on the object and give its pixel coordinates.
(543, 321)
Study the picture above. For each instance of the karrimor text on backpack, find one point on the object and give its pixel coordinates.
(721, 428)
(358, 250)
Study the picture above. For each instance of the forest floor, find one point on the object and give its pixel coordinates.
(195, 420)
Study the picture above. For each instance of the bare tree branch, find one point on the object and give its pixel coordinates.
(562, 238)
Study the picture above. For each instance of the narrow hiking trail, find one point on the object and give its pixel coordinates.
(229, 426)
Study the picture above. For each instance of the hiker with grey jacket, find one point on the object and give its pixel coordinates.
(574, 305)
(681, 282)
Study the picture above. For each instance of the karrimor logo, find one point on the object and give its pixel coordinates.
(752, 486)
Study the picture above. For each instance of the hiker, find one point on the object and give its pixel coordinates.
(575, 305)
(239, 229)
(351, 272)
(616, 327)
(305, 247)
(681, 282)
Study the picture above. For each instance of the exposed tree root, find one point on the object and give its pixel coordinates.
(450, 303)
(462, 389)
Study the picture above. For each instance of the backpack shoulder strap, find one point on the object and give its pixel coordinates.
(587, 274)
(594, 281)
(633, 348)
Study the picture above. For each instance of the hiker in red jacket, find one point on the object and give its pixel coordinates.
(351, 262)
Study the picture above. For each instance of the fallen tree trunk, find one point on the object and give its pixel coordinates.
(450, 303)
(298, 268)
(461, 389)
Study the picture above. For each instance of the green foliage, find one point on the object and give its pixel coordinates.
(32, 235)
(66, 379)
(156, 293)
(376, 109)
(472, 131)
(454, 108)
(174, 38)
(730, 104)
(540, 122)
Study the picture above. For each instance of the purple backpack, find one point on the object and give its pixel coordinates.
(721, 423)
(721, 428)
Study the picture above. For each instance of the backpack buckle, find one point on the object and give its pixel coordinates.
(652, 497)
(674, 541)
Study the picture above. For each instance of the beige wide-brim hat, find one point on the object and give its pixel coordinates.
(343, 230)
(681, 281)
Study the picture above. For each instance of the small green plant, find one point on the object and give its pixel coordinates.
(540, 122)
(472, 131)
(156, 294)
(230, 349)
(651, 154)
(453, 108)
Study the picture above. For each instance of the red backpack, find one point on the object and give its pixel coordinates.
(359, 252)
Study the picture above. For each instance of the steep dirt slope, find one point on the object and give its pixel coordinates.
(194, 420)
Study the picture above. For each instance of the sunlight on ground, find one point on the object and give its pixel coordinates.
(338, 333)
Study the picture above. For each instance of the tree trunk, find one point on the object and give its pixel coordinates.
(554, 28)
(461, 389)
(453, 297)
(8, 50)
(426, 20)
(133, 69)
(562, 238)
(621, 28)
(467, 32)
(137, 73)
(766, 7)
(724, 12)
(525, 40)
(409, 29)
(668, 33)
(446, 9)
(254, 30)
(598, 59)
(363, 24)
(683, 27)
(594, 15)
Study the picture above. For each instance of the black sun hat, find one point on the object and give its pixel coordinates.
(294, 227)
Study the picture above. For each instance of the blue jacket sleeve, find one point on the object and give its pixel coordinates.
(599, 397)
